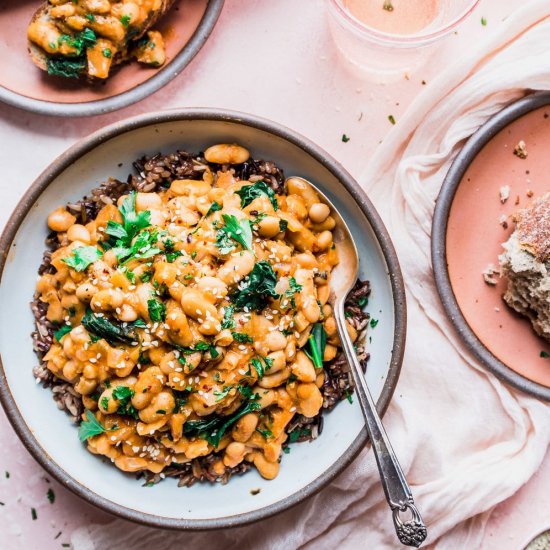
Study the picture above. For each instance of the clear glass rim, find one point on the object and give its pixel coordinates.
(401, 40)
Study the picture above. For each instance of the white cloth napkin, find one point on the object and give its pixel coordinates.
(465, 440)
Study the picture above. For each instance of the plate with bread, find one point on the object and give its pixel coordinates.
(88, 57)
(491, 244)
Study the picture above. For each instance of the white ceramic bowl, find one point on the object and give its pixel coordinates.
(48, 434)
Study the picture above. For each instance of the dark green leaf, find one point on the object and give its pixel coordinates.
(51, 496)
(283, 224)
(250, 192)
(317, 342)
(103, 328)
(214, 207)
(228, 321)
(544, 354)
(83, 257)
(240, 232)
(66, 67)
(259, 288)
(157, 311)
(65, 329)
(373, 322)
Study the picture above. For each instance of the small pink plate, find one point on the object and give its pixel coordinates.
(185, 28)
(467, 236)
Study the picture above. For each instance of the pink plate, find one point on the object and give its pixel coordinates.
(185, 28)
(468, 236)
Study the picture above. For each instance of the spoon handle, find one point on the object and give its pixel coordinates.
(411, 531)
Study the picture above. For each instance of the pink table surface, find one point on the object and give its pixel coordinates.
(274, 59)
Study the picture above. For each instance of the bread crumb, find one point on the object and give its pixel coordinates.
(503, 220)
(489, 274)
(504, 193)
(517, 200)
(529, 193)
(520, 150)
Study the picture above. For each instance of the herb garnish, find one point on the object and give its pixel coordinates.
(373, 322)
(34, 515)
(90, 428)
(259, 288)
(242, 338)
(261, 365)
(544, 354)
(298, 433)
(66, 67)
(80, 41)
(283, 224)
(82, 257)
(51, 496)
(125, 20)
(117, 333)
(222, 394)
(266, 433)
(240, 232)
(214, 207)
(157, 310)
(65, 329)
(123, 394)
(391, 118)
(317, 342)
(293, 289)
(345, 138)
(250, 192)
(213, 429)
(228, 321)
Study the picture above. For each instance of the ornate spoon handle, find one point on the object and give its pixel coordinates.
(410, 530)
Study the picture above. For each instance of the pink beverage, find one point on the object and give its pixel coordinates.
(401, 17)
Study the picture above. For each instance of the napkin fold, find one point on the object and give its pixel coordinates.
(465, 440)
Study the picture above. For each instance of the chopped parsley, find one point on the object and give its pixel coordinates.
(90, 17)
(250, 192)
(157, 310)
(484, 21)
(391, 118)
(293, 289)
(228, 321)
(107, 53)
(83, 257)
(317, 342)
(258, 289)
(544, 354)
(345, 138)
(298, 433)
(123, 394)
(242, 338)
(222, 394)
(51, 496)
(125, 20)
(261, 365)
(283, 224)
(265, 432)
(34, 515)
(233, 230)
(373, 322)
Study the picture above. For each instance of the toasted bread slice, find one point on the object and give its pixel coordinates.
(41, 54)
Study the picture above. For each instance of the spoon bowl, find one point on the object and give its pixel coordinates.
(408, 523)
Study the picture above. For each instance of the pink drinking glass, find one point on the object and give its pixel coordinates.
(383, 56)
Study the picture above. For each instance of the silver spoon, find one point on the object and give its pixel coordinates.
(411, 531)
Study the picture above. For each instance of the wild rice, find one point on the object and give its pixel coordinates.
(155, 173)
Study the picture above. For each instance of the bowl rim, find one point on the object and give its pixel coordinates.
(394, 273)
(451, 183)
(102, 106)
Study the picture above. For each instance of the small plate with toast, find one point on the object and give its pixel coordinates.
(491, 244)
(66, 58)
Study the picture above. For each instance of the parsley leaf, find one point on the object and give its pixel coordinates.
(66, 67)
(83, 257)
(259, 288)
(261, 367)
(228, 321)
(222, 394)
(80, 41)
(90, 428)
(242, 338)
(317, 342)
(157, 311)
(250, 192)
(293, 289)
(123, 394)
(240, 232)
